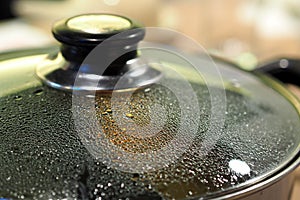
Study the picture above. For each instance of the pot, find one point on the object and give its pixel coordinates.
(105, 118)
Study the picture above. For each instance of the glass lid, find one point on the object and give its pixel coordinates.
(160, 124)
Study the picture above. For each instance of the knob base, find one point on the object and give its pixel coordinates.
(58, 73)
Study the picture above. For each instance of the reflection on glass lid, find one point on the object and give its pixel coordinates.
(45, 155)
(97, 24)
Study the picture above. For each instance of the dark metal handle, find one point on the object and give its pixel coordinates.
(6, 9)
(285, 69)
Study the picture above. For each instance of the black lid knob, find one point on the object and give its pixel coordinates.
(79, 35)
(89, 67)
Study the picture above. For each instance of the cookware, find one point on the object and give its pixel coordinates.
(114, 121)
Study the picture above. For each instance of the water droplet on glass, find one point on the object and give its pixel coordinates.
(147, 90)
(239, 167)
(129, 115)
(18, 98)
(38, 92)
(108, 111)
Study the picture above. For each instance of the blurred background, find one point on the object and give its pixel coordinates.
(246, 31)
